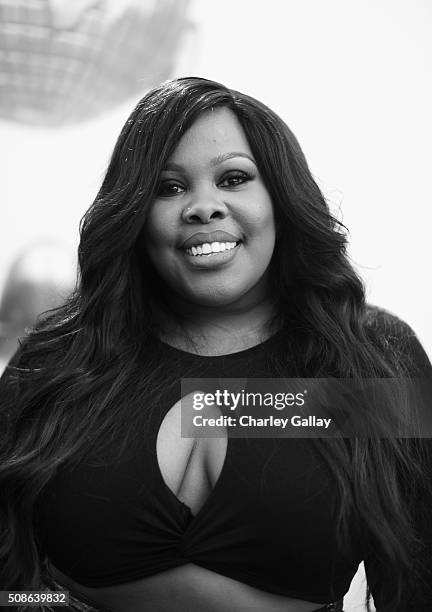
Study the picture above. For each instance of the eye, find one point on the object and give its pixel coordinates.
(168, 189)
(235, 179)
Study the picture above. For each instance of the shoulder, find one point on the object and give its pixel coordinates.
(386, 322)
(394, 336)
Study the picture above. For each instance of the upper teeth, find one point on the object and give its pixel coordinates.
(210, 247)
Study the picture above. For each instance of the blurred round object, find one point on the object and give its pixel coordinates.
(65, 61)
(40, 278)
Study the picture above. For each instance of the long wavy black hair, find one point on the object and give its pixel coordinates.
(81, 373)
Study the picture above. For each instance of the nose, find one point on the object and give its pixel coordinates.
(204, 210)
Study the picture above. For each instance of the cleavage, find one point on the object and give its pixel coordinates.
(190, 466)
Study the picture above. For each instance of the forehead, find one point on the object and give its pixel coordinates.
(215, 132)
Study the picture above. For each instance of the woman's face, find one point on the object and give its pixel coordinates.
(211, 232)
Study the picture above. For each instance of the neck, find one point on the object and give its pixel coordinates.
(218, 330)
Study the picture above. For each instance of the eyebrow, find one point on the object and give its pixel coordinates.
(215, 161)
(223, 157)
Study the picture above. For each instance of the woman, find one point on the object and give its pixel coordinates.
(208, 252)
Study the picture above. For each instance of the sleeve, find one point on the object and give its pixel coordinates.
(418, 597)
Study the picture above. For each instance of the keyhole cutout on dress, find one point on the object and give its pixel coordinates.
(190, 467)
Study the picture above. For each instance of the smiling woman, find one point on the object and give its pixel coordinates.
(209, 252)
(210, 231)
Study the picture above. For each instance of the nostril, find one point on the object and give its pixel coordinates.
(202, 213)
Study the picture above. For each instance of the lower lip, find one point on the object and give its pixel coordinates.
(215, 260)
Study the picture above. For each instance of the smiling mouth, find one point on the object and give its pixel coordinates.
(207, 249)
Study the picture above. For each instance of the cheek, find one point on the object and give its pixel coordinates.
(160, 230)
(260, 223)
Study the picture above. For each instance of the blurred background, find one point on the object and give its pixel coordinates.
(350, 77)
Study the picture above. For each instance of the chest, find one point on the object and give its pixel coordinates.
(190, 466)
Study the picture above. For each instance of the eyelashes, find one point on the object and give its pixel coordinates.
(231, 180)
(168, 189)
(234, 179)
